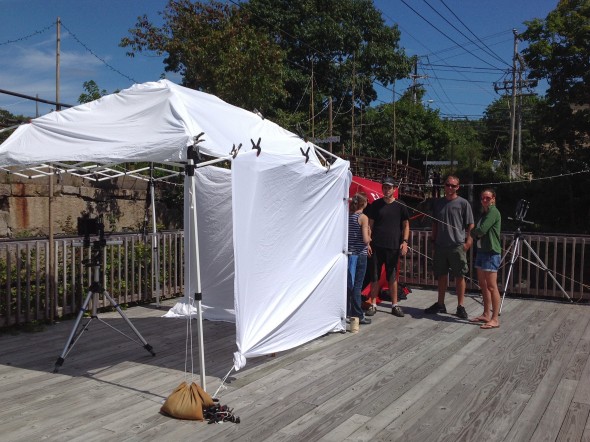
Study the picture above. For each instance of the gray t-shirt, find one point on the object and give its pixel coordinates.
(452, 216)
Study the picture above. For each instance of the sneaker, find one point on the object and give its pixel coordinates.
(461, 312)
(436, 308)
(365, 321)
(397, 311)
(371, 311)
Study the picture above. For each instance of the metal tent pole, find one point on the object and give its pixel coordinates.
(155, 251)
(191, 233)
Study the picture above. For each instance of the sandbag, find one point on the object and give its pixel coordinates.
(187, 402)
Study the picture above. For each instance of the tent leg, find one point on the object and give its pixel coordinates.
(155, 252)
(192, 248)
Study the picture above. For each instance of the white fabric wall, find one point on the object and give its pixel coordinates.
(290, 234)
(216, 244)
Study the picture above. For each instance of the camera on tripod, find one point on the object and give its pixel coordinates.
(91, 226)
(522, 207)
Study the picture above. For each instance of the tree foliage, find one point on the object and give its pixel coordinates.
(7, 119)
(217, 50)
(559, 51)
(495, 131)
(278, 56)
(93, 92)
(338, 48)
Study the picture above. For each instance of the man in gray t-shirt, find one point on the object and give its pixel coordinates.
(453, 221)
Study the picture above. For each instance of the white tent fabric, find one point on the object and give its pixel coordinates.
(153, 121)
(289, 215)
(215, 226)
(290, 226)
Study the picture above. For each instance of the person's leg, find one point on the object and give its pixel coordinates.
(441, 268)
(393, 290)
(492, 280)
(460, 287)
(485, 295)
(443, 283)
(361, 268)
(350, 281)
(376, 264)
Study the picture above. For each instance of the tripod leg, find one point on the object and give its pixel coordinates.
(515, 251)
(546, 269)
(69, 343)
(147, 346)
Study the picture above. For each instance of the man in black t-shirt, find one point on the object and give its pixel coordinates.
(390, 232)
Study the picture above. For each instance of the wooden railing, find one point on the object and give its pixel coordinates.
(567, 258)
(129, 274)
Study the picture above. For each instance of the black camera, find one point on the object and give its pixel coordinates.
(522, 208)
(90, 226)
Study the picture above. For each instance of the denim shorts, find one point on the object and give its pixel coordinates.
(488, 262)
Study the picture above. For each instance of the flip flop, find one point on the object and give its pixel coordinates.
(479, 319)
(489, 327)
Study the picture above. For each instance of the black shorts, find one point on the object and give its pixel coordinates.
(389, 257)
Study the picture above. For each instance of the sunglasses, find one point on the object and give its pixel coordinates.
(486, 198)
(452, 186)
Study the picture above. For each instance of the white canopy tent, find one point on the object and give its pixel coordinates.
(272, 232)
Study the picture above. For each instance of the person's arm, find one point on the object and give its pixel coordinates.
(405, 236)
(468, 238)
(434, 231)
(486, 224)
(364, 222)
(369, 248)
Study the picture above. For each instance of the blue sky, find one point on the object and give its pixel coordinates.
(459, 75)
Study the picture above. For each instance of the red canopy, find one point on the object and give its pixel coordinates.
(371, 188)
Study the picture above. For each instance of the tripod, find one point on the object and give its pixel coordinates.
(516, 249)
(94, 291)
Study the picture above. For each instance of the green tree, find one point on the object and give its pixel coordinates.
(419, 131)
(335, 48)
(495, 132)
(559, 52)
(8, 120)
(93, 92)
(216, 49)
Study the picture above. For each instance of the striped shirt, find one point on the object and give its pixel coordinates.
(356, 245)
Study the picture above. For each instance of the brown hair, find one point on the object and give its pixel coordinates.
(358, 201)
(492, 191)
(453, 177)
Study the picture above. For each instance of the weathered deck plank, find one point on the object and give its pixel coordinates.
(417, 378)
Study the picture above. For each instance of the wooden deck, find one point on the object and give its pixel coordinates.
(417, 378)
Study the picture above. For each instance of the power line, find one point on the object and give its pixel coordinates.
(26, 37)
(97, 57)
(472, 33)
(463, 47)
(493, 55)
(489, 70)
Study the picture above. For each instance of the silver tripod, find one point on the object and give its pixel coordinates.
(95, 290)
(516, 249)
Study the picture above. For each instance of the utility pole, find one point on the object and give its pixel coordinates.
(516, 88)
(330, 122)
(394, 130)
(513, 114)
(311, 110)
(352, 111)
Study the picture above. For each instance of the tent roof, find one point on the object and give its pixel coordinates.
(149, 122)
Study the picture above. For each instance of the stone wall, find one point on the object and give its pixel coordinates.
(24, 205)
